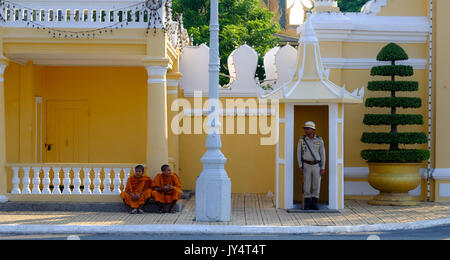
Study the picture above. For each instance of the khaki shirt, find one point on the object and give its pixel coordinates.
(318, 148)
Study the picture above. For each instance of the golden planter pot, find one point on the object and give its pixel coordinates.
(394, 181)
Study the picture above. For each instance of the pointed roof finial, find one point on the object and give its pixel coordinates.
(308, 33)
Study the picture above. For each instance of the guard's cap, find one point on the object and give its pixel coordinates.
(310, 124)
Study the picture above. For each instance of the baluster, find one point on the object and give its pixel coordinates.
(46, 181)
(56, 181)
(36, 180)
(112, 17)
(66, 181)
(76, 181)
(87, 181)
(26, 180)
(126, 175)
(107, 181)
(15, 180)
(117, 181)
(97, 181)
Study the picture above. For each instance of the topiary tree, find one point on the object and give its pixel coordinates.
(392, 53)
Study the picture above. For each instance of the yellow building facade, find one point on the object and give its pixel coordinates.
(88, 108)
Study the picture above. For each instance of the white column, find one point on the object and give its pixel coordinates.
(333, 157)
(213, 189)
(3, 175)
(157, 127)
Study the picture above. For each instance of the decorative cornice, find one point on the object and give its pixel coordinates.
(361, 27)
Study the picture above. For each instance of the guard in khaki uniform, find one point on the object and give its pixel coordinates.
(311, 158)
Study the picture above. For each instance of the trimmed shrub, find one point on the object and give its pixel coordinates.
(397, 119)
(393, 52)
(393, 86)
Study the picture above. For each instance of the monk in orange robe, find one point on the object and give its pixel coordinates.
(137, 191)
(166, 189)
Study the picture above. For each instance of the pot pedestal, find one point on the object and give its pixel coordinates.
(393, 199)
(394, 181)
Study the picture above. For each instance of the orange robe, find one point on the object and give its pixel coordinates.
(167, 197)
(136, 185)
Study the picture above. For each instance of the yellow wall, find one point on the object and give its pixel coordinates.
(250, 166)
(117, 100)
(406, 8)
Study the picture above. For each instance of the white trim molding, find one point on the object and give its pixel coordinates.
(2, 69)
(156, 81)
(173, 83)
(363, 172)
(156, 70)
(441, 174)
(368, 63)
(362, 27)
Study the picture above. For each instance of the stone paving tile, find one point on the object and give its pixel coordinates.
(247, 209)
(252, 210)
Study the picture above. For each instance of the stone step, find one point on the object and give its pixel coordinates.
(150, 207)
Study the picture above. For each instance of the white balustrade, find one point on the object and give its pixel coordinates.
(117, 181)
(15, 181)
(82, 14)
(87, 181)
(66, 181)
(36, 180)
(46, 181)
(107, 181)
(56, 181)
(76, 181)
(126, 173)
(114, 181)
(97, 181)
(26, 180)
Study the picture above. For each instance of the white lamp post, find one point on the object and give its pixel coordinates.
(213, 188)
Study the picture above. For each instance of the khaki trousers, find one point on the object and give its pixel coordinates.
(311, 175)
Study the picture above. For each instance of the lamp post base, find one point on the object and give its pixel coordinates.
(213, 199)
(3, 199)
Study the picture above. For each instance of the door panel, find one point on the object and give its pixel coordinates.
(67, 128)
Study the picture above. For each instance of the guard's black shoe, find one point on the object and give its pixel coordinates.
(307, 203)
(314, 205)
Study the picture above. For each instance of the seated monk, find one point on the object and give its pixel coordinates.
(166, 189)
(137, 191)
